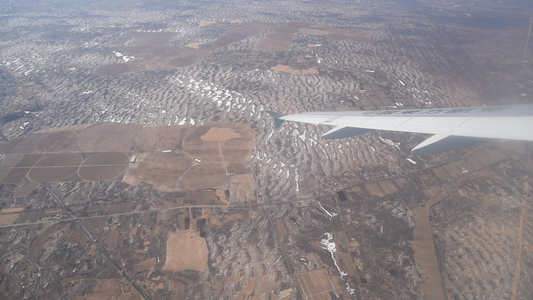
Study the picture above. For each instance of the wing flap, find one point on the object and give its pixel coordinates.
(341, 132)
(443, 143)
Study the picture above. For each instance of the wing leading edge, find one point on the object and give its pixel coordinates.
(452, 128)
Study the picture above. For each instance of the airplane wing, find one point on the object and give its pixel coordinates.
(452, 128)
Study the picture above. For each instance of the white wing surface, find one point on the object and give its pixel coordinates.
(452, 128)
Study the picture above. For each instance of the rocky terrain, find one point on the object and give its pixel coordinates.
(292, 216)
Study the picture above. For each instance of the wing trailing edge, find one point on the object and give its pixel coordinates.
(341, 132)
(443, 143)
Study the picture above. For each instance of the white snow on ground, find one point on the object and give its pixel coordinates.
(390, 143)
(332, 248)
(223, 97)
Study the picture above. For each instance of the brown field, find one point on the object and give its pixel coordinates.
(282, 228)
(12, 210)
(60, 160)
(162, 170)
(218, 143)
(107, 158)
(401, 182)
(388, 187)
(276, 41)
(8, 219)
(24, 189)
(290, 70)
(238, 168)
(206, 155)
(28, 160)
(55, 167)
(51, 174)
(7, 147)
(108, 137)
(454, 169)
(424, 247)
(374, 189)
(314, 31)
(194, 45)
(219, 134)
(10, 160)
(441, 173)
(46, 142)
(221, 196)
(186, 250)
(13, 175)
(315, 284)
(111, 238)
(111, 289)
(147, 265)
(236, 155)
(100, 173)
(189, 57)
(205, 176)
(203, 23)
(222, 148)
(292, 27)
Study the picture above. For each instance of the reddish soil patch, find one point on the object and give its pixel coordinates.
(290, 70)
(186, 250)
